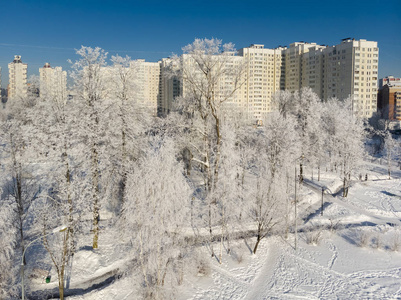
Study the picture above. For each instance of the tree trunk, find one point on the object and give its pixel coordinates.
(301, 171)
(95, 197)
(258, 239)
(61, 285)
(344, 186)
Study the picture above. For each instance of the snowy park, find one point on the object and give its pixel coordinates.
(100, 199)
(351, 252)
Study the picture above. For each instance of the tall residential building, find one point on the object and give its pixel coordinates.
(148, 82)
(264, 75)
(347, 69)
(352, 69)
(53, 82)
(17, 78)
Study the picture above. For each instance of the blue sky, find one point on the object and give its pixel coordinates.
(49, 30)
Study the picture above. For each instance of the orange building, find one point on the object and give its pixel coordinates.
(389, 102)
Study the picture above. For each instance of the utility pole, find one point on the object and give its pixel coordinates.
(296, 223)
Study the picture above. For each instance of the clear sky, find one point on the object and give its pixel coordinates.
(49, 30)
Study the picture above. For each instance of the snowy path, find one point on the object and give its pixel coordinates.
(295, 275)
(378, 219)
(336, 269)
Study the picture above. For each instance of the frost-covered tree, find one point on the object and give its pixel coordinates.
(346, 134)
(276, 150)
(90, 85)
(59, 149)
(390, 147)
(126, 120)
(8, 242)
(210, 75)
(155, 216)
(317, 137)
(303, 106)
(20, 186)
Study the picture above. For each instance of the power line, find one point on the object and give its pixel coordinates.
(74, 49)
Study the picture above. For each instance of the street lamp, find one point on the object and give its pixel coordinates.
(295, 199)
(57, 229)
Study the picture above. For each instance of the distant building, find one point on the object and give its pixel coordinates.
(17, 78)
(53, 82)
(169, 87)
(148, 82)
(389, 102)
(389, 80)
(347, 69)
(264, 75)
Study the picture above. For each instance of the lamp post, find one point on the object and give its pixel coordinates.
(57, 229)
(295, 199)
(295, 203)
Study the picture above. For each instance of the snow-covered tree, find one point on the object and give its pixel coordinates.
(346, 136)
(390, 148)
(90, 85)
(303, 105)
(276, 150)
(59, 149)
(20, 186)
(156, 214)
(210, 76)
(8, 242)
(125, 121)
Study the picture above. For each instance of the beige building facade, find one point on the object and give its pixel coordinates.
(17, 78)
(347, 69)
(149, 82)
(264, 75)
(53, 82)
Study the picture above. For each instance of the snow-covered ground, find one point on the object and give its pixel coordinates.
(353, 251)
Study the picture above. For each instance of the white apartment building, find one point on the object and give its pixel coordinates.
(53, 82)
(148, 82)
(347, 69)
(264, 75)
(351, 68)
(17, 78)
